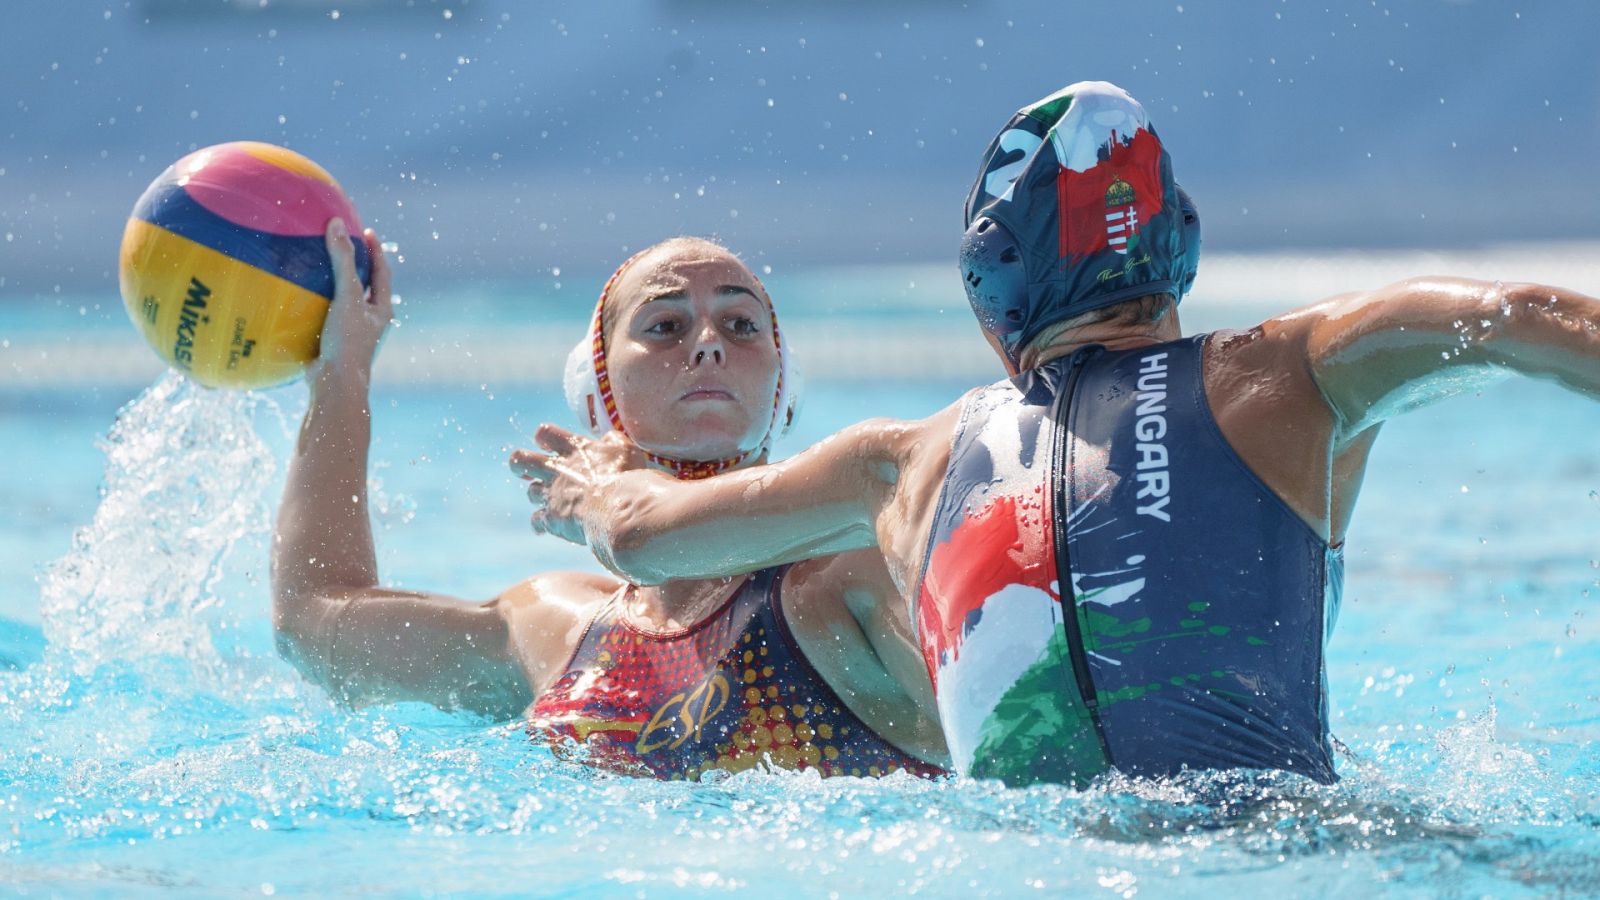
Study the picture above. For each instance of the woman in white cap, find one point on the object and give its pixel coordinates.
(805, 666)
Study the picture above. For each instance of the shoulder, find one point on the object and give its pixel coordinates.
(891, 435)
(1269, 361)
(847, 601)
(911, 440)
(548, 615)
(873, 454)
(552, 596)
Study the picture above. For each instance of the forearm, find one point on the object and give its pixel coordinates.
(1552, 334)
(1416, 342)
(362, 642)
(652, 529)
(323, 537)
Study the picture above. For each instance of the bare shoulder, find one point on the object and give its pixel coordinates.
(1271, 363)
(853, 574)
(1262, 392)
(884, 456)
(554, 601)
(556, 594)
(547, 615)
(925, 443)
(900, 440)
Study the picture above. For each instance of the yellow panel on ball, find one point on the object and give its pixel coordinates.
(202, 311)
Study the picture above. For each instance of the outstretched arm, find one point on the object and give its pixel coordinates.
(649, 527)
(362, 642)
(1378, 354)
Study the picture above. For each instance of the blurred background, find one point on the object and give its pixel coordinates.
(516, 152)
(500, 140)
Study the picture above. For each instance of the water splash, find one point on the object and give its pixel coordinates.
(184, 479)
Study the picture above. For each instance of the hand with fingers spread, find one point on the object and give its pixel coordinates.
(358, 315)
(563, 482)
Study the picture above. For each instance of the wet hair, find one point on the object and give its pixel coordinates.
(1145, 310)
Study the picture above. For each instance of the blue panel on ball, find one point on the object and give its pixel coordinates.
(300, 260)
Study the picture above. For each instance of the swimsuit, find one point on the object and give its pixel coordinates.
(1200, 606)
(728, 692)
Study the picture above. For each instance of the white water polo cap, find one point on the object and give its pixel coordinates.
(587, 385)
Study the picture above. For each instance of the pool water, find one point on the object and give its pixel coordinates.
(151, 739)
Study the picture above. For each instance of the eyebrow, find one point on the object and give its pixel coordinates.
(726, 290)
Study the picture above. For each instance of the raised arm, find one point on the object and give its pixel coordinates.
(1381, 353)
(649, 527)
(362, 642)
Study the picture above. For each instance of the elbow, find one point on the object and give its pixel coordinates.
(301, 630)
(291, 634)
(297, 647)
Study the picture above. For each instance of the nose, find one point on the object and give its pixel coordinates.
(707, 347)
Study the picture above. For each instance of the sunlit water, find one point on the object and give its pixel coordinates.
(151, 738)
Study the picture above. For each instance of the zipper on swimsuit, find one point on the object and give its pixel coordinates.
(1059, 474)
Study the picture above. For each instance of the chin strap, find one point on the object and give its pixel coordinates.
(684, 469)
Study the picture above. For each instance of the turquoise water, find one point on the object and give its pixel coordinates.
(151, 740)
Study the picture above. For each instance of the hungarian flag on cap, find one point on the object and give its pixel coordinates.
(1084, 185)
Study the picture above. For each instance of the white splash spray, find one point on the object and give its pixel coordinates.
(184, 481)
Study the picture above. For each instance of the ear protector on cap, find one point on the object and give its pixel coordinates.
(996, 282)
(1189, 262)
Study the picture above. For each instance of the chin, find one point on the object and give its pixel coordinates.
(715, 439)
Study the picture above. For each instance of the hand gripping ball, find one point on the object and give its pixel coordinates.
(224, 268)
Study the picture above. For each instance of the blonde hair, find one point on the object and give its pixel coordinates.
(1146, 310)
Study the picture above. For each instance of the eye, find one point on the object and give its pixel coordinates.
(743, 326)
(664, 328)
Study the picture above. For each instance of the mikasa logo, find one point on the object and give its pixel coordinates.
(188, 320)
(1149, 429)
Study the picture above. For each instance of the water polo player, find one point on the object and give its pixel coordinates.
(1127, 555)
(685, 360)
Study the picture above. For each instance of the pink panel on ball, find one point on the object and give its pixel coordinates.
(254, 193)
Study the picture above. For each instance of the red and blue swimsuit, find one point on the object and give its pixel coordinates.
(728, 693)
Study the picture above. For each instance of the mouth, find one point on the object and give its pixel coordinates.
(708, 393)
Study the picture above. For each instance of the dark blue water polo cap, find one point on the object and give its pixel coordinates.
(1075, 209)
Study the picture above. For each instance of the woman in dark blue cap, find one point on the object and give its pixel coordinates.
(1128, 554)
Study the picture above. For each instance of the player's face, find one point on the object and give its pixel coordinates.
(691, 356)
